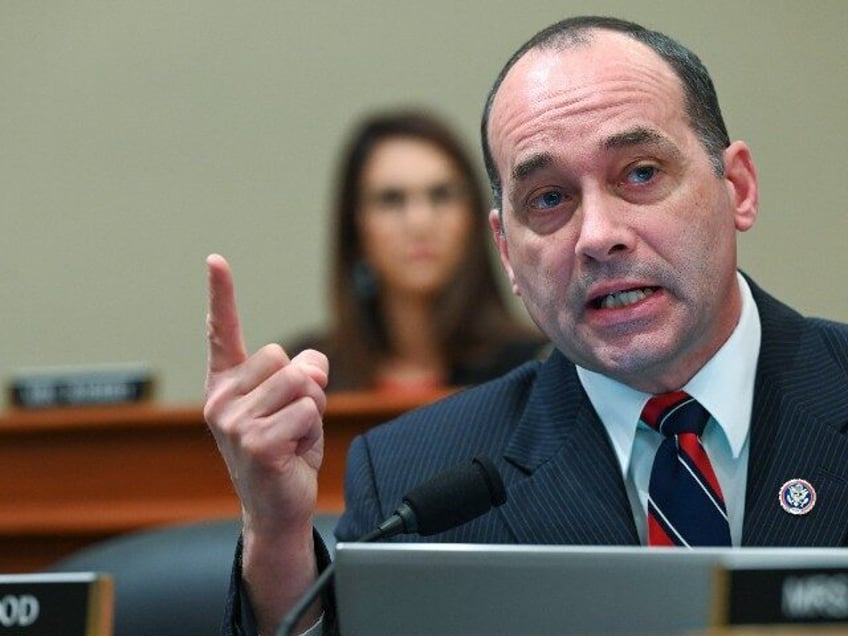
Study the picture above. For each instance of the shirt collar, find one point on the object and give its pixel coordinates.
(724, 385)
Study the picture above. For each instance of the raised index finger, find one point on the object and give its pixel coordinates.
(226, 344)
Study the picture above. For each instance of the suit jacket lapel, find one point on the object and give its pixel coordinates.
(798, 430)
(571, 490)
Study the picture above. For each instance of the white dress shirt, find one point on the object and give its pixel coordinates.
(724, 386)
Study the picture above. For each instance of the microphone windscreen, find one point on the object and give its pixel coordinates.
(456, 496)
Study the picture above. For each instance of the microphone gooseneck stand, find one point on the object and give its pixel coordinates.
(449, 499)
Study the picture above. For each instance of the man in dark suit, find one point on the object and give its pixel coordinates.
(618, 196)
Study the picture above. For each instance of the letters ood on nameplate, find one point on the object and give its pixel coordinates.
(71, 604)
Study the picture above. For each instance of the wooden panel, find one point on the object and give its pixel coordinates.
(74, 476)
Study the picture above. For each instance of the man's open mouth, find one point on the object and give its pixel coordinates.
(620, 299)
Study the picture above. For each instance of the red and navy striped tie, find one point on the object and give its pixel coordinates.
(685, 503)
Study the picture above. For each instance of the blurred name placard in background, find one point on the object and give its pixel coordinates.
(43, 387)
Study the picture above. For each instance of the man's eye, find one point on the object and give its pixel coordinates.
(546, 200)
(641, 174)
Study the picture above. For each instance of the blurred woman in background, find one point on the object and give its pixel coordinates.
(415, 301)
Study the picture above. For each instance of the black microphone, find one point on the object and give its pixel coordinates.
(450, 499)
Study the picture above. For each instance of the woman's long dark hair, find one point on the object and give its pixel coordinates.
(471, 314)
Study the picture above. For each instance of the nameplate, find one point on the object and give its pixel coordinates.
(781, 596)
(78, 386)
(71, 604)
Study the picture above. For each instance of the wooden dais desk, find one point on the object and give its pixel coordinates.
(74, 476)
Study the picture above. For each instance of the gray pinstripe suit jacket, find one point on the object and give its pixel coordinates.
(563, 482)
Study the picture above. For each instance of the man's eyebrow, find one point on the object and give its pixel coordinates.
(641, 136)
(525, 168)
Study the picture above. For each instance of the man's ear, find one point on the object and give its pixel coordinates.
(499, 234)
(741, 177)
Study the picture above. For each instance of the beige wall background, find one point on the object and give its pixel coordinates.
(137, 137)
